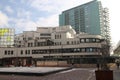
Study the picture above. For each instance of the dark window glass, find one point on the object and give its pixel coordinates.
(26, 52)
(8, 52)
(11, 52)
(5, 52)
(45, 34)
(67, 42)
(21, 52)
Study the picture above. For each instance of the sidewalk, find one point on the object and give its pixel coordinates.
(116, 74)
(73, 74)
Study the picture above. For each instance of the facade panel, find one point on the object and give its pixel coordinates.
(6, 37)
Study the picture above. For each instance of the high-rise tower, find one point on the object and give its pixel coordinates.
(90, 18)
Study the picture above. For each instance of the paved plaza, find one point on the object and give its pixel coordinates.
(71, 74)
(31, 69)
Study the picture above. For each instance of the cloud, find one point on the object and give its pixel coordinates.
(3, 19)
(9, 9)
(23, 21)
(23, 1)
(12, 1)
(54, 5)
(22, 13)
(23, 25)
(48, 21)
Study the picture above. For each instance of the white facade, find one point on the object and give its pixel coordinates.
(53, 42)
(59, 37)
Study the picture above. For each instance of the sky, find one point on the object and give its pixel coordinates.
(26, 15)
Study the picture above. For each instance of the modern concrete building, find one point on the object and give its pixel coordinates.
(6, 37)
(56, 46)
(89, 18)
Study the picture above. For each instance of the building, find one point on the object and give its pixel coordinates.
(6, 37)
(117, 49)
(52, 46)
(89, 18)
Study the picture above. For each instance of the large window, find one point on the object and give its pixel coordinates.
(66, 50)
(58, 36)
(27, 52)
(89, 40)
(9, 52)
(45, 34)
(6, 37)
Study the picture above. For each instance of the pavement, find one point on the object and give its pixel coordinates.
(116, 75)
(72, 74)
(32, 71)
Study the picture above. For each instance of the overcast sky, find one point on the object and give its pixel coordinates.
(28, 14)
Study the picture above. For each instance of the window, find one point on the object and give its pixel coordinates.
(29, 38)
(26, 52)
(28, 44)
(74, 42)
(76, 50)
(11, 52)
(87, 40)
(82, 40)
(45, 34)
(91, 49)
(83, 50)
(21, 52)
(94, 40)
(31, 44)
(45, 37)
(60, 43)
(87, 50)
(94, 49)
(97, 40)
(68, 42)
(60, 36)
(55, 36)
(5, 52)
(8, 52)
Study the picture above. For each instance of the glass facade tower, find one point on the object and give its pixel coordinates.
(6, 37)
(89, 18)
